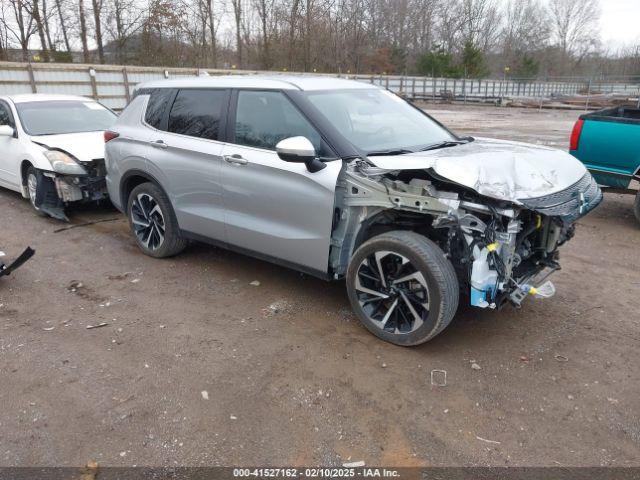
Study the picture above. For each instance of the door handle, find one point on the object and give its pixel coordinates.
(158, 144)
(235, 158)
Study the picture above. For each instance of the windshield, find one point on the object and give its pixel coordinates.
(376, 120)
(64, 116)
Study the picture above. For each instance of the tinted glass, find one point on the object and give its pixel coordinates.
(5, 115)
(375, 119)
(197, 113)
(64, 116)
(265, 118)
(157, 106)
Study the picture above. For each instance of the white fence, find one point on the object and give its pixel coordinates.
(113, 85)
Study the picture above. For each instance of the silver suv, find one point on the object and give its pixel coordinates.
(342, 179)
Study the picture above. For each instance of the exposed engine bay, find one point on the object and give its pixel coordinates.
(502, 251)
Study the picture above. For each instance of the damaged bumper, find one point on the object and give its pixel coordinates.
(570, 204)
(56, 190)
(521, 257)
(80, 188)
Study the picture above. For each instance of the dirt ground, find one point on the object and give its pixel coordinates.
(196, 366)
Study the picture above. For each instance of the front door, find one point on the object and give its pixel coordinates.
(10, 150)
(272, 207)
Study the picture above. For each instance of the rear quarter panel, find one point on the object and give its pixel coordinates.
(127, 152)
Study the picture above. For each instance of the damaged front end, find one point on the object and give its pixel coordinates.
(54, 190)
(502, 251)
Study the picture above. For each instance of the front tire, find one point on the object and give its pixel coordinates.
(153, 222)
(402, 287)
(32, 188)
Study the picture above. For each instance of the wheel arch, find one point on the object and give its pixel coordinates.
(24, 167)
(358, 232)
(131, 180)
(389, 220)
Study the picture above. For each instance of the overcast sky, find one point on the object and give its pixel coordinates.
(620, 22)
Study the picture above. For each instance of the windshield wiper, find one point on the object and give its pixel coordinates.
(447, 143)
(394, 151)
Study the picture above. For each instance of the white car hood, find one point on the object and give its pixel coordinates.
(84, 146)
(499, 169)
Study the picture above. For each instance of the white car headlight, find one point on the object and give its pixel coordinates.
(63, 163)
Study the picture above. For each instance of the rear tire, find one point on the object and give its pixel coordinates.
(153, 222)
(636, 206)
(402, 287)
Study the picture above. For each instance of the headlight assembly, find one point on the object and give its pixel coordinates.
(64, 163)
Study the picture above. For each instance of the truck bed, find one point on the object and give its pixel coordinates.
(609, 145)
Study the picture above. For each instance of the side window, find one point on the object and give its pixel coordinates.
(157, 105)
(197, 113)
(5, 115)
(265, 118)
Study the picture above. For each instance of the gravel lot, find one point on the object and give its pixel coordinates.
(197, 366)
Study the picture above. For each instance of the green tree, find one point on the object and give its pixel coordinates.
(437, 63)
(473, 62)
(398, 58)
(527, 67)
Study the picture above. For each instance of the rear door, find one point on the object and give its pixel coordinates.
(185, 154)
(274, 208)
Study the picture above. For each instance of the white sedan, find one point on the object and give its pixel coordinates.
(52, 149)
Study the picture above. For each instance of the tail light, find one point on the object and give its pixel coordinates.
(575, 135)
(109, 135)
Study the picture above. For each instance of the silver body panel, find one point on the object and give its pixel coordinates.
(249, 198)
(279, 209)
(263, 205)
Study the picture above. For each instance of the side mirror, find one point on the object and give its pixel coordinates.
(7, 131)
(299, 150)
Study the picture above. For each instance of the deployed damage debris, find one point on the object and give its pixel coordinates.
(502, 251)
(24, 256)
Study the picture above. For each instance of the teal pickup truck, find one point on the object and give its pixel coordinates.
(608, 143)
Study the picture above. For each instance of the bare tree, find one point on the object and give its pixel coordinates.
(264, 10)
(525, 33)
(237, 17)
(575, 23)
(4, 32)
(480, 22)
(97, 19)
(63, 25)
(20, 24)
(124, 19)
(33, 8)
(83, 31)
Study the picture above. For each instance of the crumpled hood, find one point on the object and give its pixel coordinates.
(499, 169)
(84, 146)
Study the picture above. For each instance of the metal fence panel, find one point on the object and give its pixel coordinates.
(113, 85)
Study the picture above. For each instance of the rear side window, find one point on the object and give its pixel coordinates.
(196, 113)
(157, 105)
